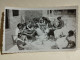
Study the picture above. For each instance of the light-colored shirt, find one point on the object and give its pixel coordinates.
(61, 42)
(16, 33)
(39, 31)
(47, 30)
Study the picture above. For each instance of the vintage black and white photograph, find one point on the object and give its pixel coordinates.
(39, 29)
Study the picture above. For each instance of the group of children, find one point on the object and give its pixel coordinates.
(41, 30)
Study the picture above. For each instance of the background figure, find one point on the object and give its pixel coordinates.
(46, 20)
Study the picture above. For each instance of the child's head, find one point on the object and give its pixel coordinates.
(19, 25)
(58, 18)
(36, 20)
(41, 20)
(70, 33)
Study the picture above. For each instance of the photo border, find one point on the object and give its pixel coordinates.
(45, 50)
